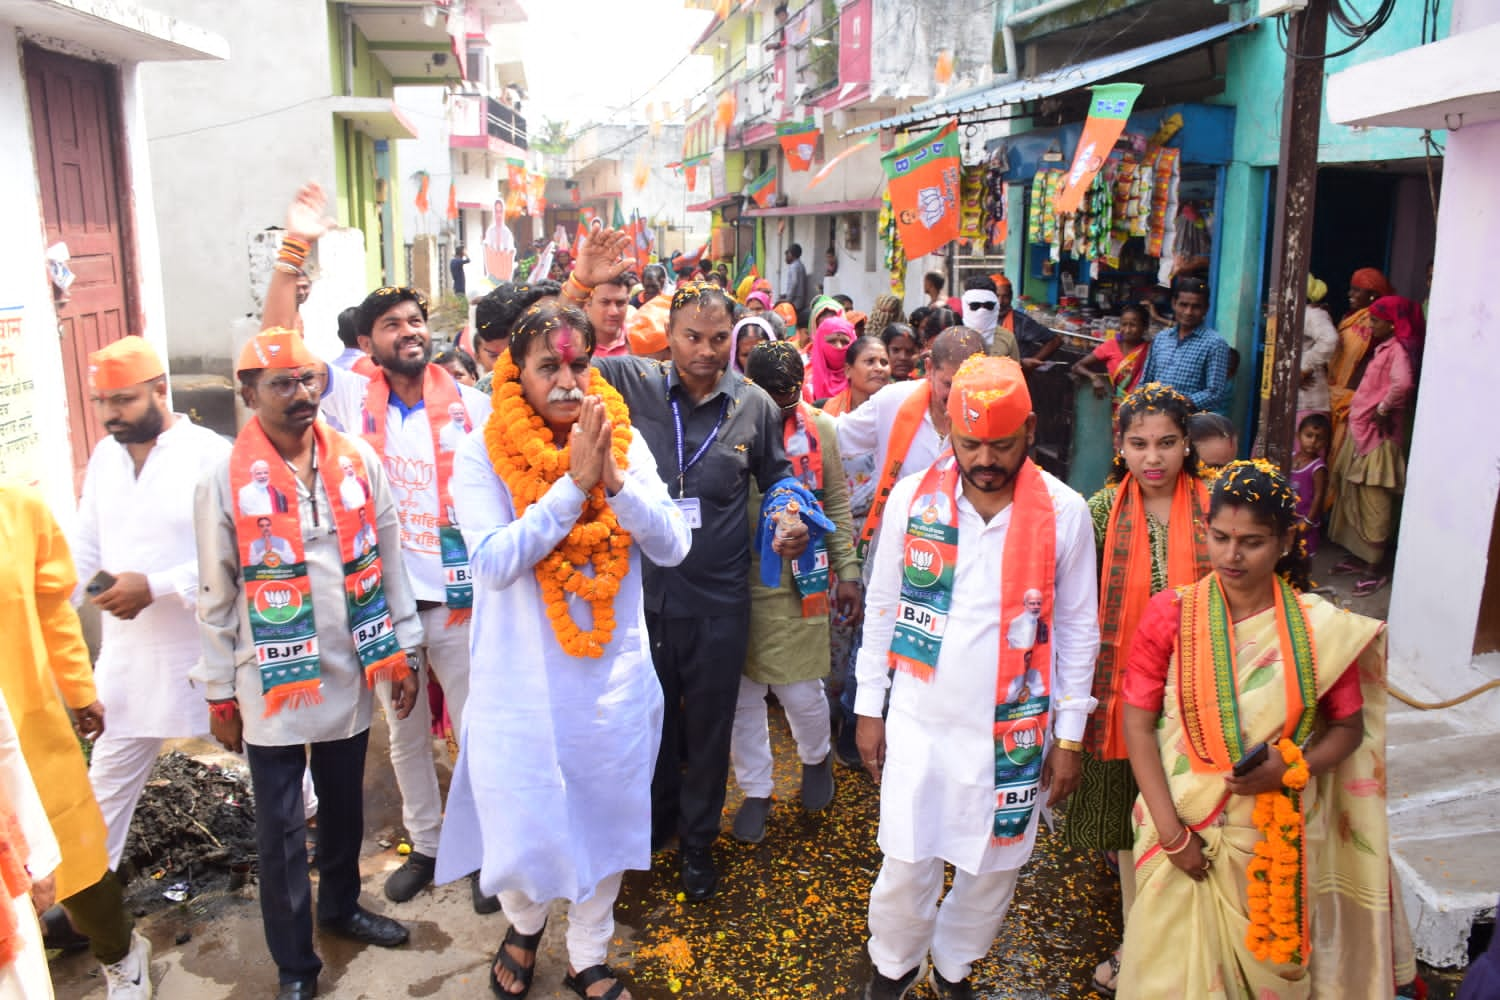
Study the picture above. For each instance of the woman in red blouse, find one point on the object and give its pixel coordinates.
(1255, 723)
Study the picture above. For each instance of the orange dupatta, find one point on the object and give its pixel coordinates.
(1125, 590)
(903, 431)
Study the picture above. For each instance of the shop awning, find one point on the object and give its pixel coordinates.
(712, 203)
(1058, 81)
(821, 208)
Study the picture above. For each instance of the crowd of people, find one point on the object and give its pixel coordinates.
(638, 510)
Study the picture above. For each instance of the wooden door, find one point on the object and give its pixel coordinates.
(75, 123)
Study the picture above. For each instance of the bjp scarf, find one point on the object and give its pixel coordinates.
(277, 590)
(14, 878)
(1125, 590)
(439, 393)
(903, 431)
(929, 561)
(805, 453)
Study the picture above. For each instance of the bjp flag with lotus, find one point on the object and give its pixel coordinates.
(924, 178)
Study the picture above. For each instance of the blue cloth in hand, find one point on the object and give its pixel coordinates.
(818, 525)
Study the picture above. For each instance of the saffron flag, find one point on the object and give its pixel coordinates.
(538, 201)
(452, 200)
(423, 180)
(762, 190)
(924, 184)
(1109, 107)
(799, 141)
(827, 171)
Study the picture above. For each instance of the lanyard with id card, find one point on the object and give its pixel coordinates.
(691, 507)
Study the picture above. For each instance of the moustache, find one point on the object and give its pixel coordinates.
(301, 408)
(573, 395)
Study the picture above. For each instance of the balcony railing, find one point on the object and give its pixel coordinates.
(505, 123)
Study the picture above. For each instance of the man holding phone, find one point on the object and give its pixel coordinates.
(141, 572)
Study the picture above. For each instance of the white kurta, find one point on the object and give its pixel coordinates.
(27, 977)
(410, 463)
(1320, 339)
(552, 790)
(866, 430)
(937, 795)
(130, 524)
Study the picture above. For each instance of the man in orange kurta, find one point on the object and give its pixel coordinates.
(42, 654)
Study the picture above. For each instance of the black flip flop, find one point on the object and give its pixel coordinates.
(588, 977)
(525, 942)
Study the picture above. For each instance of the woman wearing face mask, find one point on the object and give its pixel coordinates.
(830, 341)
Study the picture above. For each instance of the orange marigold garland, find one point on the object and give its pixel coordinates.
(528, 462)
(1276, 873)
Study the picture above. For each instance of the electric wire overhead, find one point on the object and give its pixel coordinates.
(1349, 23)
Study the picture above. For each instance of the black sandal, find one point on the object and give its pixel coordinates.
(588, 977)
(523, 974)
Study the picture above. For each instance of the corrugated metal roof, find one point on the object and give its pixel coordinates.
(1058, 81)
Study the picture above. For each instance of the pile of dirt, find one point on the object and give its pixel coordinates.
(194, 830)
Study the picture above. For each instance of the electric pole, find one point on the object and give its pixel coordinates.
(1296, 187)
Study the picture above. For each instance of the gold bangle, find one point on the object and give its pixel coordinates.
(1072, 745)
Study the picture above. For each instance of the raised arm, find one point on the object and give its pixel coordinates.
(305, 223)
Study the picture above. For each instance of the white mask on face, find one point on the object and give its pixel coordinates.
(981, 311)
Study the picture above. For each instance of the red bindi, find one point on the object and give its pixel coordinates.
(564, 346)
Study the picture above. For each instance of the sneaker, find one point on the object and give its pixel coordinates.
(411, 878)
(750, 820)
(130, 977)
(699, 876)
(881, 988)
(817, 785)
(945, 990)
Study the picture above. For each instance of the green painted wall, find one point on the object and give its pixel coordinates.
(1253, 85)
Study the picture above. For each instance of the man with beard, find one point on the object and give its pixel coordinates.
(135, 527)
(292, 651)
(966, 751)
(403, 411)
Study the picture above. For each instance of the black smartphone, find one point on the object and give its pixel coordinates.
(1254, 757)
(101, 582)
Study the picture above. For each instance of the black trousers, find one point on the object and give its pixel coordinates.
(699, 662)
(286, 912)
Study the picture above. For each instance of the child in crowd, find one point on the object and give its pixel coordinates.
(1214, 439)
(1310, 476)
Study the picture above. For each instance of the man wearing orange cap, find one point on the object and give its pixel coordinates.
(292, 648)
(404, 410)
(141, 572)
(983, 599)
(647, 329)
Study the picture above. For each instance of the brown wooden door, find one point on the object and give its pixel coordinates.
(75, 121)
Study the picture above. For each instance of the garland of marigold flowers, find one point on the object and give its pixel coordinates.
(528, 462)
(1276, 872)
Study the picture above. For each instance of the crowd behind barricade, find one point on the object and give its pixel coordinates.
(593, 540)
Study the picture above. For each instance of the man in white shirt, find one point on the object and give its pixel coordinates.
(961, 776)
(458, 428)
(905, 425)
(402, 411)
(258, 496)
(279, 550)
(135, 521)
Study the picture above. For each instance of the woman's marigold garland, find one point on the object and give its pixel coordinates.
(1276, 884)
(521, 449)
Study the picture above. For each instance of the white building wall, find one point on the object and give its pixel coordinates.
(22, 256)
(1454, 475)
(232, 142)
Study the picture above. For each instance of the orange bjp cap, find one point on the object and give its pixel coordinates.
(647, 329)
(128, 361)
(989, 400)
(277, 347)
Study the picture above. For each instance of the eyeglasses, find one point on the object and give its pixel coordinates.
(981, 305)
(286, 387)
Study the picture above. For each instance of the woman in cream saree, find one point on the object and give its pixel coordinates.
(1236, 660)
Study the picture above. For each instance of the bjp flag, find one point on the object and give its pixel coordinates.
(799, 141)
(1109, 107)
(924, 178)
(762, 190)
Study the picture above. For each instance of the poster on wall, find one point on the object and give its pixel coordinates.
(20, 445)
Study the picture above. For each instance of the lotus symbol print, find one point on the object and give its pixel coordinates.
(924, 563)
(930, 206)
(278, 604)
(1022, 744)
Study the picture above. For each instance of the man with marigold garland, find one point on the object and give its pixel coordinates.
(560, 499)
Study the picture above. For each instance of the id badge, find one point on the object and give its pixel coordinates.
(692, 512)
